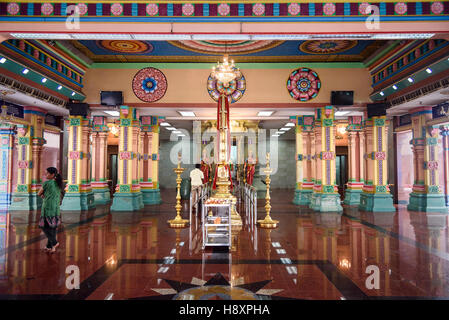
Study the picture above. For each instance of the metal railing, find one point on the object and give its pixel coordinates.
(202, 193)
(249, 196)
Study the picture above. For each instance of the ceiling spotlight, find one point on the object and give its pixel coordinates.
(341, 113)
(285, 129)
(25, 71)
(112, 113)
(265, 113)
(187, 113)
(428, 70)
(170, 128)
(177, 131)
(280, 132)
(2, 60)
(165, 124)
(276, 135)
(381, 93)
(410, 80)
(44, 80)
(181, 135)
(289, 124)
(73, 93)
(60, 87)
(395, 88)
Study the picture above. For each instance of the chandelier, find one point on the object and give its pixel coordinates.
(4, 117)
(225, 72)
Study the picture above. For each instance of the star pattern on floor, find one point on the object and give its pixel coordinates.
(216, 288)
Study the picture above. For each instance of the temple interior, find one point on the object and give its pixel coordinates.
(225, 151)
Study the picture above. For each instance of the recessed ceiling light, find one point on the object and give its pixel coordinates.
(289, 124)
(60, 87)
(177, 131)
(395, 88)
(165, 124)
(280, 132)
(410, 80)
(428, 70)
(285, 129)
(112, 113)
(265, 113)
(276, 135)
(181, 135)
(381, 93)
(341, 113)
(170, 128)
(2, 60)
(73, 93)
(25, 71)
(44, 80)
(187, 113)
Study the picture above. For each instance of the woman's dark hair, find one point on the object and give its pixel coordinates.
(58, 178)
(198, 166)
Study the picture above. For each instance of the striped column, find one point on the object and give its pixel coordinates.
(445, 137)
(150, 157)
(79, 195)
(356, 149)
(376, 196)
(99, 182)
(426, 194)
(6, 145)
(128, 196)
(325, 197)
(29, 148)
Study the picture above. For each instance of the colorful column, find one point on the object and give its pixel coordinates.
(356, 149)
(304, 183)
(6, 145)
(325, 197)
(149, 184)
(445, 137)
(79, 195)
(426, 195)
(128, 196)
(376, 196)
(99, 182)
(29, 148)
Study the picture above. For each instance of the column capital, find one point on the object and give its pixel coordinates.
(420, 111)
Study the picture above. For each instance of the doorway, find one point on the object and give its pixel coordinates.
(341, 169)
(112, 167)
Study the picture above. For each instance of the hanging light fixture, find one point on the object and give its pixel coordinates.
(225, 72)
(4, 117)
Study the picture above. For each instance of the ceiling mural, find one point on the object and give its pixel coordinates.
(241, 51)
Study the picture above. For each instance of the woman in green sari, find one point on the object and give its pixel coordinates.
(50, 213)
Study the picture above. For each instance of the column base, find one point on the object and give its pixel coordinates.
(126, 201)
(376, 202)
(427, 202)
(302, 197)
(25, 202)
(78, 201)
(325, 202)
(102, 196)
(352, 197)
(151, 196)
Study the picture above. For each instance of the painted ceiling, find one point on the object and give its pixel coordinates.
(241, 51)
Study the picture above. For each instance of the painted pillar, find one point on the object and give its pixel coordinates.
(356, 173)
(6, 145)
(376, 196)
(325, 197)
(426, 195)
(304, 183)
(79, 195)
(128, 196)
(99, 182)
(29, 148)
(149, 181)
(445, 137)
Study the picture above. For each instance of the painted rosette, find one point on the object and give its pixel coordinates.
(152, 9)
(149, 84)
(294, 9)
(223, 9)
(116, 9)
(13, 8)
(437, 7)
(362, 8)
(400, 8)
(329, 9)
(187, 9)
(82, 8)
(234, 91)
(46, 9)
(258, 9)
(303, 84)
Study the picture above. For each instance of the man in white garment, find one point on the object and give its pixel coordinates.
(197, 176)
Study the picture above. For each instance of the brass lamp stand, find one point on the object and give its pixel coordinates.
(268, 222)
(178, 222)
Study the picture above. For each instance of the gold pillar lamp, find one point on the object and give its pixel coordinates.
(268, 222)
(178, 222)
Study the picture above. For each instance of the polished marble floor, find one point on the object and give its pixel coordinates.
(309, 256)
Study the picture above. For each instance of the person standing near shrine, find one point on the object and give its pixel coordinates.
(197, 176)
(49, 221)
